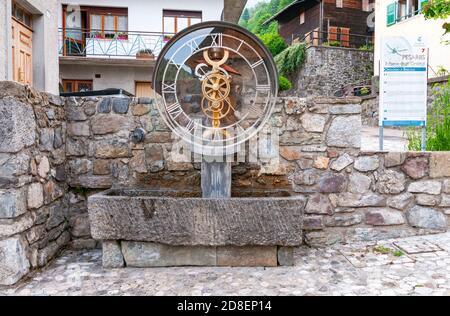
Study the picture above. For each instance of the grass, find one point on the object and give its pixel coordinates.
(438, 123)
(386, 251)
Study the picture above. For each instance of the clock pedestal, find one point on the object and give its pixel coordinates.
(216, 179)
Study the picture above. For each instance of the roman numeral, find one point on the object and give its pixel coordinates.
(168, 88)
(259, 62)
(217, 39)
(175, 64)
(194, 46)
(190, 126)
(263, 87)
(174, 110)
(240, 45)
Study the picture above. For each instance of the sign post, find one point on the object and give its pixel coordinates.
(403, 84)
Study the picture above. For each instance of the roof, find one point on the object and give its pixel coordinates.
(275, 16)
(232, 10)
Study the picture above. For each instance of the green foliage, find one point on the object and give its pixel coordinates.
(284, 83)
(442, 71)
(438, 9)
(386, 251)
(274, 42)
(438, 123)
(364, 91)
(289, 60)
(398, 253)
(367, 47)
(332, 43)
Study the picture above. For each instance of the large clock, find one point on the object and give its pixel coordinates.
(215, 86)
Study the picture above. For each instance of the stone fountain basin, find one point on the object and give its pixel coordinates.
(183, 218)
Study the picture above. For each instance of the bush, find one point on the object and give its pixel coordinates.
(438, 124)
(284, 84)
(274, 42)
(289, 60)
(332, 43)
(367, 47)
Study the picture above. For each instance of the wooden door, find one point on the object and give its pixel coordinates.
(22, 53)
(143, 89)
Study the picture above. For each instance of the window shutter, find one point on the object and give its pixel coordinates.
(391, 13)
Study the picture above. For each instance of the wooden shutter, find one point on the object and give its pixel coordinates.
(345, 37)
(391, 13)
(332, 33)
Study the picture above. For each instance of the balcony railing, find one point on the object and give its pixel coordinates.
(111, 44)
(335, 39)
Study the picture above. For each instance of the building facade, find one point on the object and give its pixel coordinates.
(115, 45)
(342, 23)
(405, 18)
(29, 43)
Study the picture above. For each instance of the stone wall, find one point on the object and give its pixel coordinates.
(56, 152)
(327, 69)
(33, 204)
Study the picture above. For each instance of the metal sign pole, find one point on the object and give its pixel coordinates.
(381, 138)
(424, 138)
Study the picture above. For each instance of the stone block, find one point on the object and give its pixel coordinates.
(319, 204)
(367, 163)
(141, 109)
(112, 256)
(345, 131)
(391, 182)
(78, 129)
(286, 256)
(13, 203)
(105, 124)
(332, 183)
(384, 217)
(427, 199)
(147, 254)
(343, 220)
(321, 163)
(440, 165)
(247, 256)
(342, 162)
(12, 227)
(313, 223)
(416, 167)
(17, 125)
(357, 200)
(112, 148)
(401, 201)
(426, 218)
(35, 198)
(13, 260)
(104, 106)
(359, 183)
(345, 109)
(426, 186)
(121, 105)
(313, 122)
(394, 159)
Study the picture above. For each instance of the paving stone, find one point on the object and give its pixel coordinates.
(247, 256)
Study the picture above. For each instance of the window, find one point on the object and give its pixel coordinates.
(302, 16)
(77, 85)
(365, 6)
(339, 3)
(403, 9)
(21, 15)
(175, 21)
(109, 24)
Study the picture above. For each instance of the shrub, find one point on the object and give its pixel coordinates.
(289, 60)
(367, 47)
(438, 123)
(332, 43)
(284, 83)
(274, 42)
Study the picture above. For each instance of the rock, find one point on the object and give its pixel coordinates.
(89, 108)
(322, 238)
(307, 177)
(401, 202)
(446, 186)
(104, 124)
(52, 191)
(76, 147)
(112, 256)
(359, 183)
(121, 105)
(440, 165)
(35, 198)
(294, 105)
(290, 153)
(60, 173)
(312, 223)
(391, 182)
(357, 200)
(92, 182)
(344, 220)
(286, 256)
(104, 105)
(247, 256)
(78, 129)
(141, 109)
(102, 167)
(56, 216)
(113, 148)
(58, 140)
(44, 167)
(158, 137)
(345, 109)
(445, 202)
(319, 204)
(300, 138)
(76, 113)
(321, 163)
(80, 226)
(313, 122)
(393, 159)
(427, 200)
(416, 167)
(345, 132)
(332, 183)
(138, 164)
(342, 162)
(426, 218)
(154, 155)
(14, 165)
(384, 217)
(426, 186)
(145, 254)
(80, 166)
(17, 125)
(13, 260)
(12, 203)
(196, 221)
(367, 163)
(9, 227)
(46, 139)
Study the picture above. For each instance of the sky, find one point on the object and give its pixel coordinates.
(251, 3)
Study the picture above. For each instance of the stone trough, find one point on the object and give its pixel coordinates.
(146, 228)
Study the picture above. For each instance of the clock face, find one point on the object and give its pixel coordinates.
(215, 86)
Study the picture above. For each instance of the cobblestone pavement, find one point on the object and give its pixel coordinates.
(394, 139)
(408, 266)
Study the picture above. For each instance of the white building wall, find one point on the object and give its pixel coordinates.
(431, 29)
(146, 15)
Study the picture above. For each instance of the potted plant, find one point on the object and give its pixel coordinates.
(122, 36)
(145, 54)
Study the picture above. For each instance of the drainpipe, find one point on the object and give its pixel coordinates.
(321, 17)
